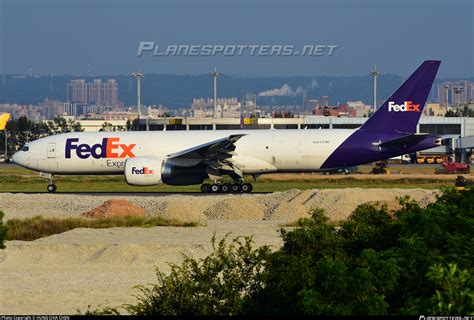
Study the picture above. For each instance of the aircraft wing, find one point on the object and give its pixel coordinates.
(217, 149)
(215, 154)
(402, 143)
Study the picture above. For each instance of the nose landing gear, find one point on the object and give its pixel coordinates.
(51, 186)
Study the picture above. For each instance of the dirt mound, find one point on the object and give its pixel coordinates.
(115, 208)
(244, 208)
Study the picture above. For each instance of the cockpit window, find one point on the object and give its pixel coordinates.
(25, 148)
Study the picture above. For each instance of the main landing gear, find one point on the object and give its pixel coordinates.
(226, 188)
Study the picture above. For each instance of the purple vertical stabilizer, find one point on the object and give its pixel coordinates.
(393, 124)
(403, 109)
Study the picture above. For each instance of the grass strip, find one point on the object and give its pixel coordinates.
(30, 229)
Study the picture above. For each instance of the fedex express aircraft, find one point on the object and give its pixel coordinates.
(190, 157)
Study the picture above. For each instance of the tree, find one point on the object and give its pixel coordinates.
(107, 126)
(128, 125)
(373, 263)
(454, 294)
(23, 130)
(464, 112)
(61, 125)
(217, 284)
(131, 125)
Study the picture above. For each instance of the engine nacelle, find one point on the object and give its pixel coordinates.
(149, 171)
(144, 171)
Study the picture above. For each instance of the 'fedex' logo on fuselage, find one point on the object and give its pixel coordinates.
(407, 106)
(109, 148)
(144, 170)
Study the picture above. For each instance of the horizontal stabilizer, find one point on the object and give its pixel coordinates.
(401, 143)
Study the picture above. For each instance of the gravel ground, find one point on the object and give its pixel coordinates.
(282, 206)
(67, 272)
(63, 273)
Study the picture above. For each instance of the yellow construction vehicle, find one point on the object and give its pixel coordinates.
(3, 121)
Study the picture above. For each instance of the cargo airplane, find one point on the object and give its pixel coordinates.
(191, 157)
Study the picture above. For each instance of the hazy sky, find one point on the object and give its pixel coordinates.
(71, 36)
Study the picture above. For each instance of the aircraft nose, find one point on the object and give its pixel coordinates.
(15, 158)
(19, 158)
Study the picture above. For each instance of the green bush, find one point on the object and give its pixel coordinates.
(215, 285)
(413, 261)
(454, 293)
(374, 263)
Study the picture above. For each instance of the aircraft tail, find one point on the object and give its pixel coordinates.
(3, 120)
(401, 112)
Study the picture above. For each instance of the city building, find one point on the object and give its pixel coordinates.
(77, 91)
(97, 125)
(112, 115)
(454, 94)
(97, 92)
(226, 108)
(342, 110)
(155, 112)
(51, 109)
(435, 109)
(434, 125)
(361, 109)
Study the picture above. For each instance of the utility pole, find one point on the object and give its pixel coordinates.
(138, 75)
(214, 74)
(374, 75)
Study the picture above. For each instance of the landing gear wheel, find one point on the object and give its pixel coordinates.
(236, 188)
(206, 188)
(226, 188)
(246, 188)
(215, 188)
(51, 188)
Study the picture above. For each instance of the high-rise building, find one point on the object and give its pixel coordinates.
(109, 93)
(443, 94)
(77, 91)
(96, 92)
(455, 93)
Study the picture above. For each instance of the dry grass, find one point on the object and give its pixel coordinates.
(38, 227)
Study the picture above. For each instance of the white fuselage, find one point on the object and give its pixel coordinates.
(259, 151)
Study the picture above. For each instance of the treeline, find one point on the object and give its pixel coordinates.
(465, 111)
(23, 130)
(413, 261)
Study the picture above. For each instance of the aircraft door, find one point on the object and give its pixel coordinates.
(52, 150)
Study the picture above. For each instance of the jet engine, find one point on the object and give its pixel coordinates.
(149, 171)
(143, 171)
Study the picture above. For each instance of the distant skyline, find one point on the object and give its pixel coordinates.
(102, 37)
